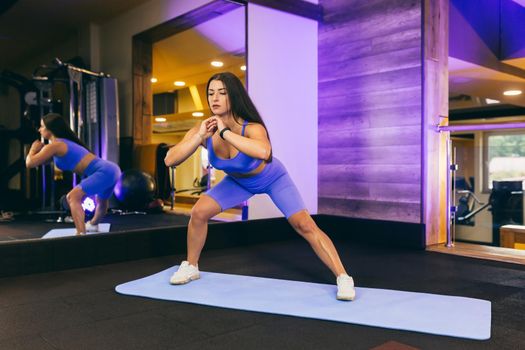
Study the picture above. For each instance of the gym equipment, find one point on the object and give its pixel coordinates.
(506, 200)
(93, 116)
(135, 189)
(505, 203)
(19, 132)
(466, 209)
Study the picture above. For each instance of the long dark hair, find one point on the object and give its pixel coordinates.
(241, 103)
(58, 126)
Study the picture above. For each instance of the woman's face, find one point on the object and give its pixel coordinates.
(44, 132)
(218, 98)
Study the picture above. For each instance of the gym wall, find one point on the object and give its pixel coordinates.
(370, 110)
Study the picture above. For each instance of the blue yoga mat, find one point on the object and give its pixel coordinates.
(421, 312)
(65, 232)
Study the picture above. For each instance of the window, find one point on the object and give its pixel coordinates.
(504, 155)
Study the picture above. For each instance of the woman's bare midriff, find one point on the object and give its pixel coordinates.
(251, 173)
(84, 162)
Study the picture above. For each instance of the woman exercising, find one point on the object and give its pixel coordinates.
(70, 153)
(236, 125)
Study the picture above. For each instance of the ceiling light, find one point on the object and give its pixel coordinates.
(154, 80)
(179, 83)
(217, 63)
(512, 92)
(197, 114)
(160, 119)
(243, 67)
(490, 101)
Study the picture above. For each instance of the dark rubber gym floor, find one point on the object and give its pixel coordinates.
(78, 309)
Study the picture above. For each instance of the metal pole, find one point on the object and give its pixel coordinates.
(80, 70)
(453, 208)
(43, 166)
(172, 183)
(72, 115)
(476, 127)
(448, 185)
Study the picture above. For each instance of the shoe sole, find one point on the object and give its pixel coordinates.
(192, 278)
(340, 297)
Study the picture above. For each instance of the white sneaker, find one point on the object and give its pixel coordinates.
(345, 287)
(90, 227)
(185, 273)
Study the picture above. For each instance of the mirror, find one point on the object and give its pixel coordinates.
(182, 65)
(32, 201)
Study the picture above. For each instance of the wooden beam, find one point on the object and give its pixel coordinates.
(142, 97)
(434, 104)
(188, 20)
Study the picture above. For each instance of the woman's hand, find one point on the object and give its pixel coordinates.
(36, 147)
(208, 128)
(220, 123)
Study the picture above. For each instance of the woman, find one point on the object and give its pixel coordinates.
(70, 153)
(243, 150)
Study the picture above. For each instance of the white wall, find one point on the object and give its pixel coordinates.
(115, 45)
(282, 81)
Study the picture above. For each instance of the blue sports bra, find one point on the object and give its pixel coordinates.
(241, 163)
(74, 154)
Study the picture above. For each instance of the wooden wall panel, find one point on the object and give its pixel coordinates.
(435, 93)
(370, 109)
(142, 96)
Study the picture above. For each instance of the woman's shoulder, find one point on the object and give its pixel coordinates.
(60, 146)
(254, 127)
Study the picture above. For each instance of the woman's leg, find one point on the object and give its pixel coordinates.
(287, 198)
(323, 246)
(202, 211)
(224, 195)
(102, 182)
(100, 211)
(74, 199)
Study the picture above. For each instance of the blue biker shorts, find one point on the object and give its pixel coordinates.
(100, 178)
(273, 180)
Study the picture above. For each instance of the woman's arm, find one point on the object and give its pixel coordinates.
(256, 145)
(187, 146)
(40, 154)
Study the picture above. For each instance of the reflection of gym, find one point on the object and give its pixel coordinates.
(303, 174)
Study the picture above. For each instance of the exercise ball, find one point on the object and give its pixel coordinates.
(135, 189)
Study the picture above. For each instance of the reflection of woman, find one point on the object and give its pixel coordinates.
(69, 153)
(243, 150)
